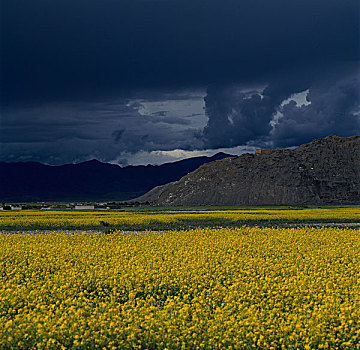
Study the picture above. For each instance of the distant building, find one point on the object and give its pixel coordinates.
(13, 207)
(84, 207)
(259, 151)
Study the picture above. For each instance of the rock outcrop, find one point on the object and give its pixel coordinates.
(152, 195)
(324, 171)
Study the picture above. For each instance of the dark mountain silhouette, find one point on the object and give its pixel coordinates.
(324, 171)
(89, 181)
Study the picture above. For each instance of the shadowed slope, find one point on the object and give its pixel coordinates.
(324, 171)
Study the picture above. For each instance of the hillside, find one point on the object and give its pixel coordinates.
(324, 171)
(89, 181)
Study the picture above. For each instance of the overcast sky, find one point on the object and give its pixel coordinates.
(151, 81)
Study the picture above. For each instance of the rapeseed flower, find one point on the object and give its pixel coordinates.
(203, 288)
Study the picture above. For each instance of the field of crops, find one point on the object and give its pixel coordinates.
(227, 288)
(171, 219)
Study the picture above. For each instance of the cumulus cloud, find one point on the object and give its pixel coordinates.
(333, 109)
(236, 117)
(273, 116)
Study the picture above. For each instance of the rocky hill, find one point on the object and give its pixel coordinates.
(324, 171)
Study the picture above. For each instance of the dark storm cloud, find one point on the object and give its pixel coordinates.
(87, 79)
(271, 116)
(334, 109)
(170, 120)
(58, 133)
(237, 117)
(63, 49)
(117, 134)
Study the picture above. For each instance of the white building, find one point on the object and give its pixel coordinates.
(84, 207)
(13, 207)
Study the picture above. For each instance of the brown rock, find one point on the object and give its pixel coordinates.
(324, 171)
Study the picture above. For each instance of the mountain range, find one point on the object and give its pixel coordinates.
(89, 181)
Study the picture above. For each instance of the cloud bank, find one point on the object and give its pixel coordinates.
(273, 118)
(119, 80)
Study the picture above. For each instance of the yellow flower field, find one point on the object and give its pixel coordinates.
(60, 219)
(240, 288)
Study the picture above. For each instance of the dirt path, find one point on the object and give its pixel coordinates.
(350, 225)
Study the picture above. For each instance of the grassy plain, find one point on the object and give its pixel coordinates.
(174, 218)
(206, 288)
